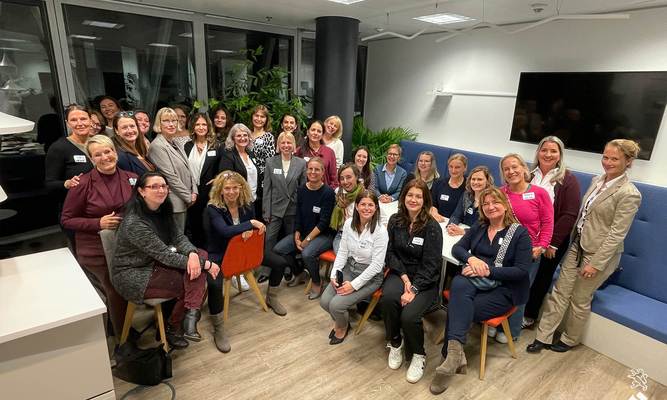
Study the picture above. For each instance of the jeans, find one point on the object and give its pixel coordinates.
(515, 320)
(310, 254)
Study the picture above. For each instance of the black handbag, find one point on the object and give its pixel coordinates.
(146, 367)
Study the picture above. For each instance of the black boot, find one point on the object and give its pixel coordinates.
(190, 325)
(175, 338)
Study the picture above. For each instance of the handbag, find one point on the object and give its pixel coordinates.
(146, 367)
(484, 283)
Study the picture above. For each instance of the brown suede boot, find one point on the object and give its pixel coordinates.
(455, 363)
(272, 300)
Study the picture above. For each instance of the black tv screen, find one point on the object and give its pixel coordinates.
(587, 109)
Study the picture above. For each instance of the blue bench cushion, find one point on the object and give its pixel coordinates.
(412, 149)
(638, 312)
(477, 159)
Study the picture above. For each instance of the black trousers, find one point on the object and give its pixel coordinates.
(408, 318)
(467, 304)
(277, 229)
(195, 226)
(215, 300)
(543, 281)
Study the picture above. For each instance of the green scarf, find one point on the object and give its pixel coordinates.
(342, 201)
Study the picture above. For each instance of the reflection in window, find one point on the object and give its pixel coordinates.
(145, 62)
(306, 85)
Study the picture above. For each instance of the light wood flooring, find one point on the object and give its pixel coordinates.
(289, 357)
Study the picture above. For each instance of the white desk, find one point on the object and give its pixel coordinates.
(52, 340)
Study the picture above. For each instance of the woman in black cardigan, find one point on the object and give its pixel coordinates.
(414, 259)
(497, 254)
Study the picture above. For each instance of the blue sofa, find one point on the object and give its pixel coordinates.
(636, 296)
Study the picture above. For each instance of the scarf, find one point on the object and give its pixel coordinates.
(342, 201)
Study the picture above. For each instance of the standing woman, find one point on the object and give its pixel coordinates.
(312, 235)
(204, 158)
(130, 144)
(390, 177)
(362, 159)
(426, 169)
(414, 257)
(532, 207)
(263, 143)
(222, 122)
(97, 203)
(467, 210)
(239, 156)
(313, 146)
(144, 123)
(172, 162)
(230, 213)
(446, 192)
(609, 207)
(109, 107)
(333, 131)
(98, 123)
(289, 123)
(360, 257)
(346, 194)
(551, 174)
(182, 134)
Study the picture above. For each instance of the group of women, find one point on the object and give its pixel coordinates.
(230, 180)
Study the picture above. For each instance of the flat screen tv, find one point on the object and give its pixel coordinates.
(587, 109)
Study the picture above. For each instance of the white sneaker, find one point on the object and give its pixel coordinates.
(491, 332)
(501, 338)
(416, 370)
(244, 284)
(395, 356)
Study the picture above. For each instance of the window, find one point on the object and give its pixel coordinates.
(306, 85)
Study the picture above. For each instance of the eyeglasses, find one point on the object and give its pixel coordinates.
(125, 114)
(393, 154)
(169, 121)
(158, 186)
(95, 125)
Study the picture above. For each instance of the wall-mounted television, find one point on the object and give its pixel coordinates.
(587, 109)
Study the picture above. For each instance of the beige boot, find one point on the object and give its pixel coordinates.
(221, 340)
(455, 363)
(272, 300)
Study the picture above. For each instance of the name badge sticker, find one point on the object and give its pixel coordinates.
(364, 244)
(259, 141)
(316, 209)
(306, 159)
(277, 171)
(528, 196)
(418, 241)
(211, 153)
(132, 181)
(500, 241)
(78, 158)
(470, 210)
(444, 197)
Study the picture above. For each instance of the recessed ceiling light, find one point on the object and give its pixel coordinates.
(224, 51)
(102, 24)
(85, 37)
(14, 40)
(189, 35)
(161, 45)
(346, 2)
(445, 18)
(10, 49)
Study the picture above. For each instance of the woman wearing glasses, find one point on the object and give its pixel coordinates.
(130, 144)
(390, 177)
(97, 123)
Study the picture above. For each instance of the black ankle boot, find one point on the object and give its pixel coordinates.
(175, 338)
(190, 325)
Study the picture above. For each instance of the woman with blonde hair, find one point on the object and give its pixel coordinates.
(230, 213)
(426, 169)
(447, 191)
(333, 131)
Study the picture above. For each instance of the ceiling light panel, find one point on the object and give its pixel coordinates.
(102, 24)
(161, 45)
(85, 37)
(444, 18)
(346, 2)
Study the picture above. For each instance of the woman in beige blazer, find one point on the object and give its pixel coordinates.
(608, 209)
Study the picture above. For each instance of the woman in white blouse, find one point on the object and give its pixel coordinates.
(333, 130)
(360, 259)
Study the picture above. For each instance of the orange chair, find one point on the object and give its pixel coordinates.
(326, 260)
(374, 302)
(493, 322)
(241, 258)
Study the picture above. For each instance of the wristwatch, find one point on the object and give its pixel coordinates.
(414, 289)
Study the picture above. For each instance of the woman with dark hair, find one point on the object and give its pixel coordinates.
(203, 153)
(263, 143)
(130, 144)
(222, 122)
(230, 213)
(109, 106)
(182, 134)
(154, 259)
(362, 159)
(98, 123)
(313, 146)
(97, 203)
(497, 255)
(360, 258)
(414, 259)
(289, 123)
(346, 193)
(144, 125)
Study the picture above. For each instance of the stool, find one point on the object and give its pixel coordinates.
(326, 259)
(159, 319)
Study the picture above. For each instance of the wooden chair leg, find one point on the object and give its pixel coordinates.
(482, 355)
(369, 310)
(238, 283)
(159, 318)
(510, 339)
(127, 324)
(308, 286)
(226, 288)
(250, 277)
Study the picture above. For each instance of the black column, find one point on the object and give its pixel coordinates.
(336, 41)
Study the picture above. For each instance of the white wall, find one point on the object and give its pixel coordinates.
(401, 73)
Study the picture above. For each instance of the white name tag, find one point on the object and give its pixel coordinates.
(132, 181)
(418, 241)
(316, 209)
(306, 159)
(444, 197)
(364, 244)
(277, 171)
(259, 141)
(79, 158)
(500, 240)
(529, 196)
(470, 210)
(211, 153)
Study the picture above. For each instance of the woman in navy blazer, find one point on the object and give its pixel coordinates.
(388, 193)
(238, 156)
(203, 153)
(96, 203)
(230, 213)
(494, 278)
(130, 144)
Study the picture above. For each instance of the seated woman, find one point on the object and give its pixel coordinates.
(312, 235)
(360, 258)
(94, 204)
(230, 213)
(346, 193)
(414, 259)
(426, 169)
(390, 177)
(362, 159)
(154, 259)
(497, 254)
(131, 144)
(446, 192)
(467, 211)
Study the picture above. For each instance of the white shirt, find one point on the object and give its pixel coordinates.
(600, 187)
(251, 173)
(286, 164)
(366, 248)
(196, 161)
(545, 181)
(337, 146)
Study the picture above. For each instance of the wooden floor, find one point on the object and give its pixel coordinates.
(289, 357)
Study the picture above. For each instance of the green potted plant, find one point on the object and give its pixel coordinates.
(378, 142)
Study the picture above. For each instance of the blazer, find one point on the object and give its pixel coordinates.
(566, 207)
(280, 191)
(231, 160)
(608, 220)
(222, 229)
(130, 162)
(173, 163)
(516, 264)
(396, 185)
(211, 163)
(86, 204)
